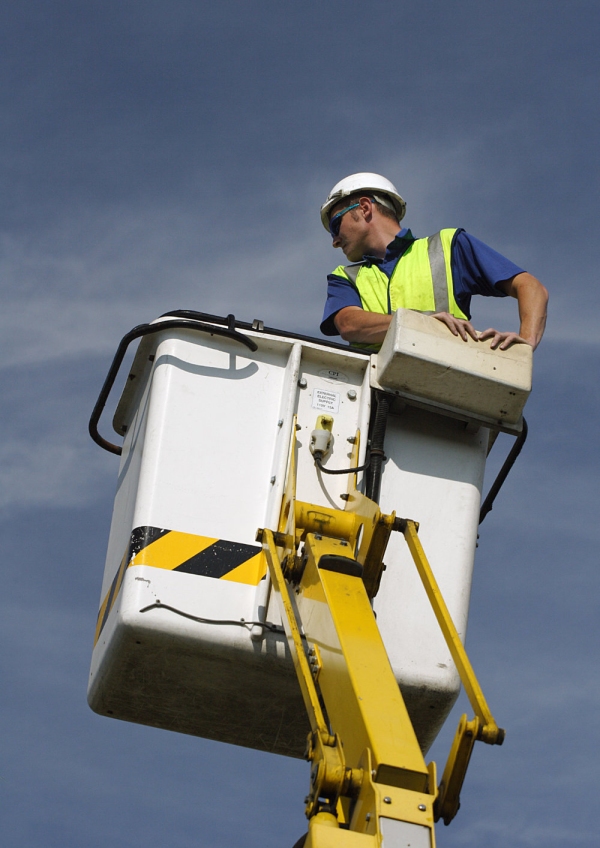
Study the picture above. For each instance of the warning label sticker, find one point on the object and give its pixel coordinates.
(326, 401)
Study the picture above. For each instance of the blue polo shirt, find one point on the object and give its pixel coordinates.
(476, 269)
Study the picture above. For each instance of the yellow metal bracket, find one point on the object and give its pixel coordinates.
(483, 726)
(361, 523)
(330, 778)
(489, 731)
(448, 800)
(294, 638)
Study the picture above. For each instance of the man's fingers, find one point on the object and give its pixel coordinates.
(457, 326)
(471, 330)
(501, 340)
(495, 335)
(513, 338)
(448, 320)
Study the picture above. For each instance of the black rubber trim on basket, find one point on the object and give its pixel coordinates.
(146, 330)
(258, 326)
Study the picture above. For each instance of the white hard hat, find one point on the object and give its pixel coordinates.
(369, 183)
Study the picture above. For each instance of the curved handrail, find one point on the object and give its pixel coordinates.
(146, 330)
(510, 460)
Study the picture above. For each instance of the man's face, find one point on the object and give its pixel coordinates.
(353, 230)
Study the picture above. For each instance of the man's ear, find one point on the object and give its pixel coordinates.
(367, 208)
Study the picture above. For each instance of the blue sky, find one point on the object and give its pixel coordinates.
(174, 155)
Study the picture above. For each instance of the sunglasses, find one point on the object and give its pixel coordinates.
(336, 221)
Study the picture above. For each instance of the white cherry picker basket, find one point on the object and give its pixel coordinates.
(188, 638)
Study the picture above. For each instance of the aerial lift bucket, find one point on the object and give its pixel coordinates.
(214, 416)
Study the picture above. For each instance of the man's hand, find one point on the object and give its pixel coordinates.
(532, 298)
(462, 328)
(502, 340)
(457, 326)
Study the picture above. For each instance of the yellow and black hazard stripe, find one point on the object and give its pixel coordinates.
(187, 553)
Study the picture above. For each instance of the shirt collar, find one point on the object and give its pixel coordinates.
(395, 249)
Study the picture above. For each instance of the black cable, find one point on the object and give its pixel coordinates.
(239, 622)
(322, 468)
(377, 444)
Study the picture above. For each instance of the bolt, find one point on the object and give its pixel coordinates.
(422, 807)
(302, 383)
(273, 480)
(345, 497)
(387, 800)
(351, 395)
(280, 422)
(368, 817)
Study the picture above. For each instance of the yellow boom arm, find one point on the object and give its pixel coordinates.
(369, 781)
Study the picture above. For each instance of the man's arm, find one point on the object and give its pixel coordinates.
(356, 325)
(532, 298)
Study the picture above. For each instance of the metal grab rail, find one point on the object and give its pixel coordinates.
(259, 327)
(146, 330)
(510, 460)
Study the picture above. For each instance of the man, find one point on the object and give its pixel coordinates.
(390, 269)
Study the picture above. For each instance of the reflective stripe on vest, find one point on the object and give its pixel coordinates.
(421, 280)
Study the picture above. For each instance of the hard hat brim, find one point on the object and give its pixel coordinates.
(335, 197)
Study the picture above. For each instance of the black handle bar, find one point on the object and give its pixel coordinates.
(146, 330)
(510, 460)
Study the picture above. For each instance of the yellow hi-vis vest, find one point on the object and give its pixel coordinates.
(421, 280)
